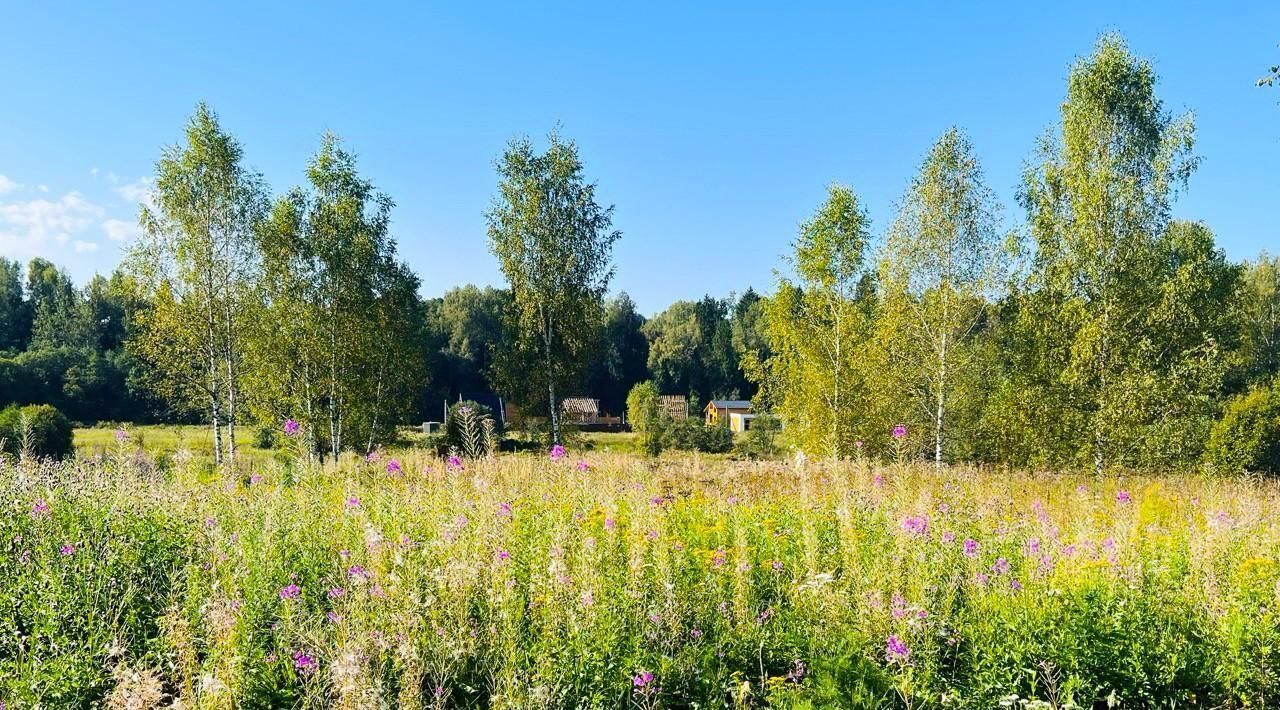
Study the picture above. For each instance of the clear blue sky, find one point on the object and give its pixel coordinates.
(713, 128)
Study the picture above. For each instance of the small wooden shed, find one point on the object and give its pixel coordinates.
(675, 406)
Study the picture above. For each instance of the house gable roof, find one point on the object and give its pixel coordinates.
(728, 404)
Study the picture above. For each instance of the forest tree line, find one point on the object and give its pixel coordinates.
(1097, 331)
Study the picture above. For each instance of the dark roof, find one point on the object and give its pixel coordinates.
(730, 404)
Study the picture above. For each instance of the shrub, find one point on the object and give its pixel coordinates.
(37, 429)
(1247, 437)
(471, 430)
(647, 419)
(762, 437)
(692, 435)
(264, 437)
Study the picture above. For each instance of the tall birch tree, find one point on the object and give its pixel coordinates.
(815, 326)
(553, 242)
(944, 257)
(198, 254)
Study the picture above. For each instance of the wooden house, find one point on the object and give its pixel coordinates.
(718, 412)
(580, 410)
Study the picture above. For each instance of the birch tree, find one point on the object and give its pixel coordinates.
(943, 258)
(198, 254)
(553, 242)
(815, 326)
(1098, 203)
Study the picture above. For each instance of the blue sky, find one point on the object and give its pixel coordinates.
(714, 128)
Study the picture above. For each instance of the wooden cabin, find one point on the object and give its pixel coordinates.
(580, 410)
(718, 411)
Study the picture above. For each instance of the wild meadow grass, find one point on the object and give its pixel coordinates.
(612, 581)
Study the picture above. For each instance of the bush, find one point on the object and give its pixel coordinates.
(1247, 437)
(692, 435)
(37, 429)
(264, 437)
(646, 417)
(762, 437)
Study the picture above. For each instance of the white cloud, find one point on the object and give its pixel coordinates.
(118, 230)
(41, 226)
(7, 185)
(140, 191)
(83, 246)
(43, 188)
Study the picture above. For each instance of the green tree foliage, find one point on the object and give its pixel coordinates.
(340, 345)
(553, 243)
(15, 310)
(36, 430)
(1247, 438)
(60, 318)
(622, 359)
(1108, 348)
(815, 326)
(199, 261)
(697, 347)
(647, 417)
(943, 258)
(1260, 318)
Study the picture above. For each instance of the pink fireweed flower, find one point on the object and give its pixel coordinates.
(610, 524)
(67, 550)
(719, 557)
(357, 572)
(695, 633)
(948, 537)
(1015, 585)
(333, 617)
(898, 606)
(896, 650)
(371, 456)
(1001, 566)
(304, 663)
(878, 481)
(857, 444)
(122, 435)
(504, 510)
(393, 467)
(454, 464)
(970, 547)
(352, 502)
(778, 566)
(291, 591)
(1123, 497)
(40, 509)
(915, 525)
(1082, 489)
(291, 427)
(899, 431)
(658, 501)
(642, 680)
(255, 479)
(557, 453)
(335, 592)
(583, 465)
(503, 555)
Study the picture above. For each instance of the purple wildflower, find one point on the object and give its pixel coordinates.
(583, 465)
(122, 435)
(454, 463)
(67, 550)
(899, 431)
(291, 591)
(558, 453)
(335, 592)
(1123, 497)
(291, 427)
(353, 502)
(895, 649)
(503, 555)
(970, 547)
(916, 525)
(305, 664)
(642, 680)
(40, 509)
(1001, 566)
(393, 467)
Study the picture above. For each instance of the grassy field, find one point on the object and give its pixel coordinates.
(607, 580)
(171, 438)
